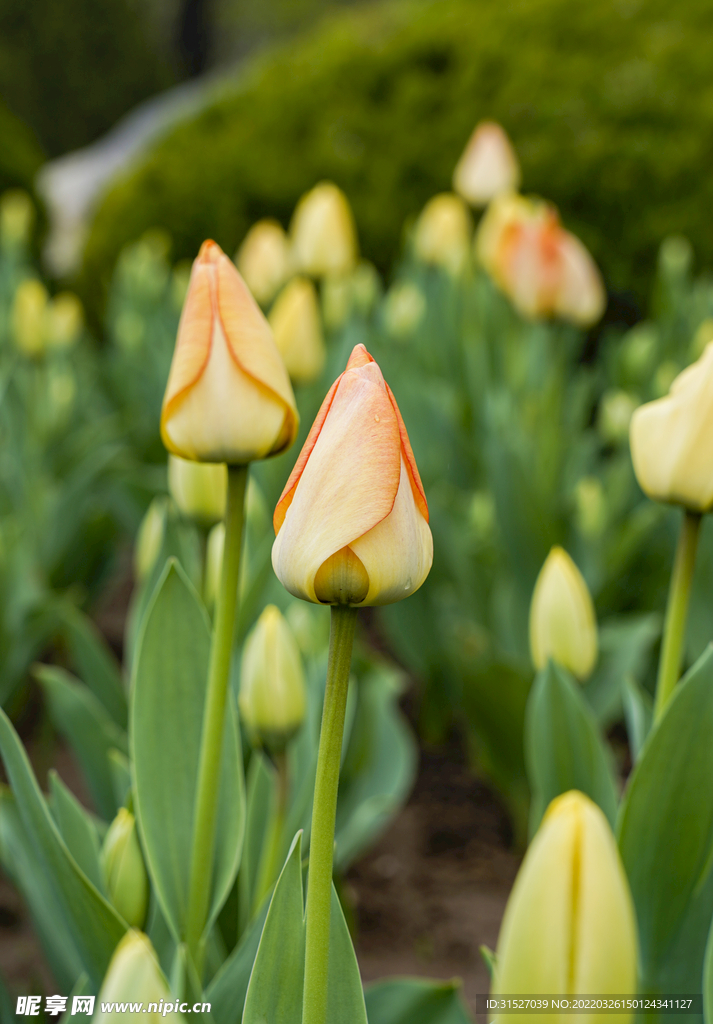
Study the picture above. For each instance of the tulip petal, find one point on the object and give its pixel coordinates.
(193, 341)
(407, 452)
(580, 296)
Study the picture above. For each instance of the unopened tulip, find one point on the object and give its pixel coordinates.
(295, 322)
(272, 697)
(569, 926)
(542, 268)
(563, 624)
(264, 259)
(149, 539)
(487, 167)
(198, 488)
(352, 522)
(124, 870)
(615, 412)
(133, 975)
(443, 232)
(323, 233)
(228, 397)
(404, 308)
(29, 310)
(671, 440)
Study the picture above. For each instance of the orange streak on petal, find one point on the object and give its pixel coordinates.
(419, 494)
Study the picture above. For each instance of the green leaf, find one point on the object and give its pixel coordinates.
(708, 979)
(563, 746)
(639, 714)
(81, 988)
(226, 992)
(345, 995)
(415, 1001)
(625, 648)
(120, 770)
(88, 728)
(281, 952)
(489, 959)
(94, 925)
(168, 697)
(94, 662)
(260, 810)
(666, 831)
(77, 829)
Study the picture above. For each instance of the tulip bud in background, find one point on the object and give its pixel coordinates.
(149, 538)
(352, 521)
(295, 322)
(272, 698)
(198, 488)
(590, 506)
(404, 309)
(213, 565)
(28, 317)
(228, 397)
(133, 975)
(17, 216)
(487, 167)
(615, 412)
(64, 321)
(638, 351)
(323, 234)
(543, 269)
(124, 870)
(443, 233)
(563, 624)
(264, 259)
(569, 926)
(671, 440)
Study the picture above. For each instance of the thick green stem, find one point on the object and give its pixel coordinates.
(204, 816)
(674, 632)
(324, 811)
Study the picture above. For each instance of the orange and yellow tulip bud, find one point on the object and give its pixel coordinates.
(352, 522)
(563, 623)
(264, 259)
(323, 234)
(443, 232)
(487, 167)
(543, 269)
(228, 397)
(297, 327)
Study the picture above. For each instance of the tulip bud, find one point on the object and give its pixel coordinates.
(213, 565)
(28, 317)
(124, 871)
(264, 259)
(198, 488)
(543, 269)
(133, 975)
(64, 321)
(443, 233)
(615, 412)
(295, 322)
(671, 439)
(569, 927)
(228, 397)
(352, 521)
(591, 508)
(404, 309)
(323, 232)
(563, 624)
(487, 167)
(17, 215)
(272, 697)
(149, 539)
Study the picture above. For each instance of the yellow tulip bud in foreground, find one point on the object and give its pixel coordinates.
(198, 488)
(272, 697)
(671, 440)
(124, 870)
(488, 165)
(228, 397)
(352, 522)
(569, 926)
(323, 233)
(264, 259)
(133, 976)
(295, 322)
(443, 232)
(563, 625)
(543, 269)
(28, 317)
(150, 538)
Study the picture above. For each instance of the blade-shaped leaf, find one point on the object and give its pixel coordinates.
(639, 714)
(77, 829)
(415, 1001)
(226, 992)
(708, 979)
(94, 662)
(345, 995)
(260, 810)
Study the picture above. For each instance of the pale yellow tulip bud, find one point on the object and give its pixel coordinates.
(272, 697)
(323, 233)
(264, 259)
(615, 412)
(228, 397)
(199, 488)
(487, 167)
(671, 440)
(569, 926)
(563, 624)
(404, 309)
(28, 317)
(64, 321)
(352, 522)
(591, 506)
(124, 870)
(295, 322)
(17, 215)
(443, 233)
(213, 565)
(149, 539)
(133, 975)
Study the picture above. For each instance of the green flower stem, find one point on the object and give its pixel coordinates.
(204, 816)
(674, 632)
(270, 862)
(324, 811)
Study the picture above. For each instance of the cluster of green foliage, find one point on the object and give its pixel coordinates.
(20, 155)
(608, 104)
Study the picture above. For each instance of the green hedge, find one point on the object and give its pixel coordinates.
(610, 105)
